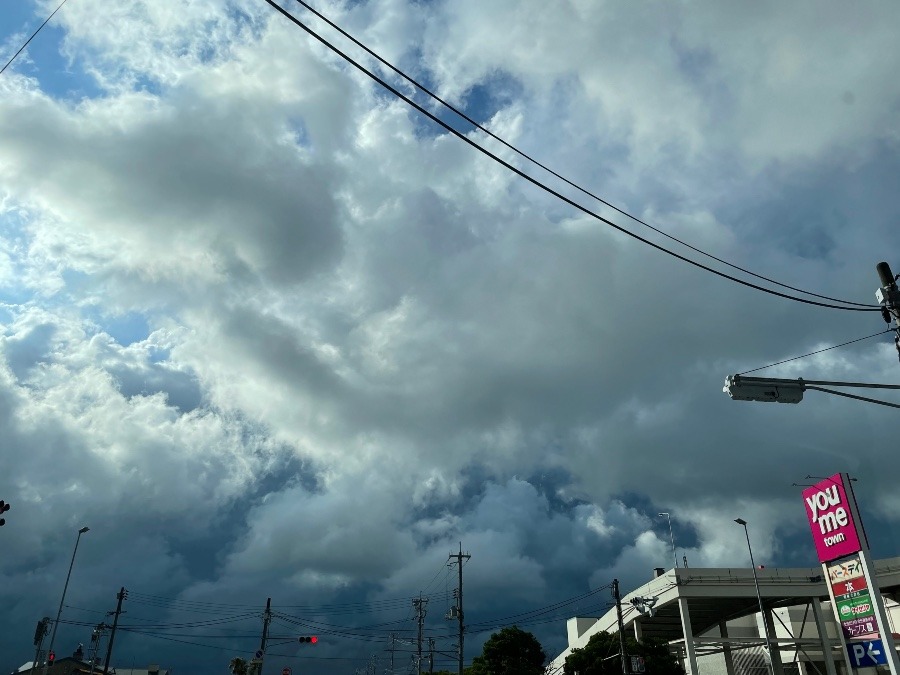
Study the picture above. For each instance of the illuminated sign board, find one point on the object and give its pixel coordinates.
(831, 519)
(842, 548)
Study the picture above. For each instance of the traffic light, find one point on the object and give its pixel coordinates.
(51, 657)
(4, 507)
(309, 638)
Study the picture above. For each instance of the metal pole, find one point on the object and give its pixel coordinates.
(671, 537)
(762, 611)
(63, 598)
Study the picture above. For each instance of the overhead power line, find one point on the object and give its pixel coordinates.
(22, 48)
(551, 171)
(819, 351)
(434, 118)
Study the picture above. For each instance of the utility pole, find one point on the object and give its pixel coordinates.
(457, 611)
(430, 656)
(889, 298)
(96, 636)
(43, 627)
(121, 595)
(420, 605)
(393, 637)
(621, 626)
(267, 619)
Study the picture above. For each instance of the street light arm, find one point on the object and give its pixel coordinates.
(854, 396)
(773, 389)
(63, 598)
(803, 384)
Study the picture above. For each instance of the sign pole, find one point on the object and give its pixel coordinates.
(843, 550)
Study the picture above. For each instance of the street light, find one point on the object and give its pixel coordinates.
(762, 611)
(671, 536)
(63, 598)
(779, 390)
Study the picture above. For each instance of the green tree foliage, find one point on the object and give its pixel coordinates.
(238, 666)
(594, 658)
(511, 651)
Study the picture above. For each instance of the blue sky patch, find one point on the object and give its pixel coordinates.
(42, 59)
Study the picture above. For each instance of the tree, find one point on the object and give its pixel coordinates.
(595, 659)
(238, 666)
(511, 651)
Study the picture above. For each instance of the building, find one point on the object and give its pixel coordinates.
(71, 666)
(710, 617)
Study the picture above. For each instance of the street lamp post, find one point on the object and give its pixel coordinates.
(762, 611)
(63, 598)
(671, 536)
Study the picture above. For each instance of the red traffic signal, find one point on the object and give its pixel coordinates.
(51, 657)
(309, 638)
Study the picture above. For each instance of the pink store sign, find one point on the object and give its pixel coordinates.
(831, 518)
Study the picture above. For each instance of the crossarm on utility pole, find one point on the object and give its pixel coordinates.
(888, 297)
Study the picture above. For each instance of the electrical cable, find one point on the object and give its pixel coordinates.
(443, 568)
(195, 624)
(199, 607)
(534, 161)
(2, 70)
(530, 617)
(819, 351)
(244, 651)
(543, 610)
(331, 625)
(133, 596)
(546, 188)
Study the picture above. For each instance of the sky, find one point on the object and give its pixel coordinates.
(270, 332)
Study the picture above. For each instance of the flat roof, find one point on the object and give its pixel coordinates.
(722, 594)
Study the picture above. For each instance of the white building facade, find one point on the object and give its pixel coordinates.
(711, 620)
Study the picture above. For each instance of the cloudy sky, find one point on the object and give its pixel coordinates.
(270, 332)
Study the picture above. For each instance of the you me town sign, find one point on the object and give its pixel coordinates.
(844, 553)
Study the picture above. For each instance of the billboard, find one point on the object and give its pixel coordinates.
(831, 521)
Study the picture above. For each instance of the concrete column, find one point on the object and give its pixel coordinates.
(774, 651)
(688, 632)
(638, 630)
(726, 649)
(822, 628)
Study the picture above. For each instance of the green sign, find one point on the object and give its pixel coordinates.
(855, 608)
